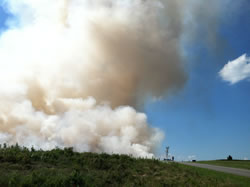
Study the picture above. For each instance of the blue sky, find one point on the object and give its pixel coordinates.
(208, 118)
(3, 17)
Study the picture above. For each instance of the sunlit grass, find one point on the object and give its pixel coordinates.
(23, 167)
(244, 164)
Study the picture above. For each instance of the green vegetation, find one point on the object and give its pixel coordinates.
(244, 164)
(229, 179)
(22, 167)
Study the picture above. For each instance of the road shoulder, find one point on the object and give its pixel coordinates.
(236, 171)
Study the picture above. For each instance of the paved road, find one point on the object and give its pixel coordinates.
(236, 171)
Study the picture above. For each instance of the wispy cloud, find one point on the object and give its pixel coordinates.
(236, 70)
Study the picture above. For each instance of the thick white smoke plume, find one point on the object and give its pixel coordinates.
(71, 71)
(80, 123)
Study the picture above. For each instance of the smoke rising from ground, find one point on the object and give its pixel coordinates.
(71, 71)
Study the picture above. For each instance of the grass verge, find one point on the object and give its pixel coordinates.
(243, 164)
(229, 179)
(64, 167)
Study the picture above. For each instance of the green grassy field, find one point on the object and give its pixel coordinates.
(244, 164)
(23, 167)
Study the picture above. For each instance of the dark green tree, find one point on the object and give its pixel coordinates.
(229, 157)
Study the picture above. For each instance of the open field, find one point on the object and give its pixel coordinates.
(23, 167)
(235, 171)
(243, 164)
(235, 180)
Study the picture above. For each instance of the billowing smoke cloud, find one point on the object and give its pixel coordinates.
(71, 71)
(82, 124)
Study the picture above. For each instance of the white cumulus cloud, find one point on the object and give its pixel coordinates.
(236, 70)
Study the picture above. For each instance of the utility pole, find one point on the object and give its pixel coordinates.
(167, 148)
